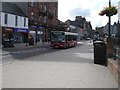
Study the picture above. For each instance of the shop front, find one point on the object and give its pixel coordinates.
(32, 34)
(20, 35)
(7, 37)
(36, 33)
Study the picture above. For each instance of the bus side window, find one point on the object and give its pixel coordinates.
(69, 38)
(74, 37)
(66, 37)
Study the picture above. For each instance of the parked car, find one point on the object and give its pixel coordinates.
(8, 42)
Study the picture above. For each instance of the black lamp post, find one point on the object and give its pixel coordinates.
(36, 34)
(109, 17)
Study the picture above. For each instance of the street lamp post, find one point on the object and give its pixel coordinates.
(36, 34)
(109, 17)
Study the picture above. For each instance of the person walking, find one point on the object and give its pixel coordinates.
(43, 41)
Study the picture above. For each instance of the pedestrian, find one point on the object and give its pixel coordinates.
(43, 41)
(90, 40)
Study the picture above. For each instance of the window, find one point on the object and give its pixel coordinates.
(41, 6)
(32, 3)
(6, 18)
(24, 21)
(45, 8)
(16, 20)
(32, 17)
(54, 12)
(45, 19)
(32, 13)
(35, 4)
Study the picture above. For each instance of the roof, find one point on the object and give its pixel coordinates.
(11, 8)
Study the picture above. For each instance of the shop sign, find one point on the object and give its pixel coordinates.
(32, 32)
(8, 29)
(37, 27)
(41, 27)
(33, 26)
(21, 30)
(40, 32)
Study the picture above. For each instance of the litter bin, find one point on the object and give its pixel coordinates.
(100, 56)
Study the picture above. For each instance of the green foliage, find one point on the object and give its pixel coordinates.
(108, 11)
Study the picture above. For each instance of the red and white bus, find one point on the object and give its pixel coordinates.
(62, 39)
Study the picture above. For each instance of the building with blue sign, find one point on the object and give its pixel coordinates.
(14, 23)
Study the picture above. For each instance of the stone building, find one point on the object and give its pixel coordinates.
(43, 18)
(114, 29)
(84, 27)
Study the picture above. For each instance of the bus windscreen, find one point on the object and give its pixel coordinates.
(57, 36)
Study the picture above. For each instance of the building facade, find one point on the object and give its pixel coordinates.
(43, 18)
(84, 28)
(14, 23)
(114, 29)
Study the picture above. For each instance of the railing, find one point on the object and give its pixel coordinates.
(116, 53)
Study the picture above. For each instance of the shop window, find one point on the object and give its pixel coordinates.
(18, 38)
(6, 18)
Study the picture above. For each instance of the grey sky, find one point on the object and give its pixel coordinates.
(80, 11)
(68, 9)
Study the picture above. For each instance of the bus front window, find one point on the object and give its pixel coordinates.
(57, 37)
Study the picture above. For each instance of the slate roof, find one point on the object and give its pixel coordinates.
(11, 8)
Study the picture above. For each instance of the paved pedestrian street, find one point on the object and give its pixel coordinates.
(63, 68)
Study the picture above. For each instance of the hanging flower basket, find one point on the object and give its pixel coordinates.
(108, 11)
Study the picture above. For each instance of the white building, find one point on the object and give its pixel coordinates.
(14, 23)
(119, 11)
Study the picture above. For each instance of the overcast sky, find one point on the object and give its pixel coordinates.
(68, 9)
